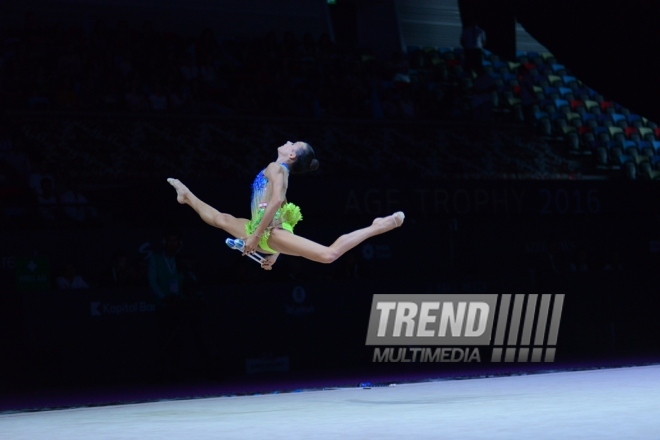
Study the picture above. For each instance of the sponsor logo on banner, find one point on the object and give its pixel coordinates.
(99, 308)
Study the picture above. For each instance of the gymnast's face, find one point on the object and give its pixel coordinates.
(290, 149)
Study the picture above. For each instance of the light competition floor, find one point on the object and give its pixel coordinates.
(617, 403)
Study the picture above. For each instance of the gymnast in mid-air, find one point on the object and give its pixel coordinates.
(270, 230)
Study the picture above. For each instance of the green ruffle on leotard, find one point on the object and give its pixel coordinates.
(286, 217)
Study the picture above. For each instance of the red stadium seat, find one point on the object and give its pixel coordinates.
(630, 130)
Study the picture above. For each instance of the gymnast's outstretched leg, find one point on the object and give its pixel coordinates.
(290, 244)
(226, 222)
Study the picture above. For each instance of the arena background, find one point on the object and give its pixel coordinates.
(495, 201)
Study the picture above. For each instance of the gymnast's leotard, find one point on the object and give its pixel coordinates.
(286, 217)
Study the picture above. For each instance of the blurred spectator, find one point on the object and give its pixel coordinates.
(49, 208)
(407, 107)
(158, 99)
(350, 267)
(121, 272)
(308, 47)
(178, 99)
(11, 155)
(473, 40)
(580, 263)
(613, 263)
(165, 279)
(134, 99)
(39, 173)
(70, 279)
(75, 205)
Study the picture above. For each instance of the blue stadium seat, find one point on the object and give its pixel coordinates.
(563, 91)
(562, 105)
(541, 115)
(507, 77)
(550, 90)
(623, 158)
(645, 147)
(616, 117)
(629, 144)
(499, 65)
(599, 130)
(558, 68)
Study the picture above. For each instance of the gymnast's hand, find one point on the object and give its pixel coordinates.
(251, 244)
(268, 262)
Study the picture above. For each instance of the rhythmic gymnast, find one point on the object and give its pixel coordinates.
(270, 230)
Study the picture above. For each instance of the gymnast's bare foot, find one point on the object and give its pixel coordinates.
(390, 222)
(182, 191)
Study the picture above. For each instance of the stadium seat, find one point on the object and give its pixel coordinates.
(550, 90)
(624, 158)
(618, 136)
(614, 130)
(590, 104)
(501, 67)
(646, 170)
(646, 148)
(630, 132)
(604, 105)
(563, 91)
(576, 104)
(555, 81)
(589, 117)
(630, 147)
(571, 116)
(559, 69)
(646, 133)
(540, 115)
(562, 105)
(600, 129)
(616, 117)
(591, 123)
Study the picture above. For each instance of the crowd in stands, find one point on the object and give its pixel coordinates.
(115, 67)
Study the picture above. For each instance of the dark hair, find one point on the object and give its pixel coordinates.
(305, 160)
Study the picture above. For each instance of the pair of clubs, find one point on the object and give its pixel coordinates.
(239, 245)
